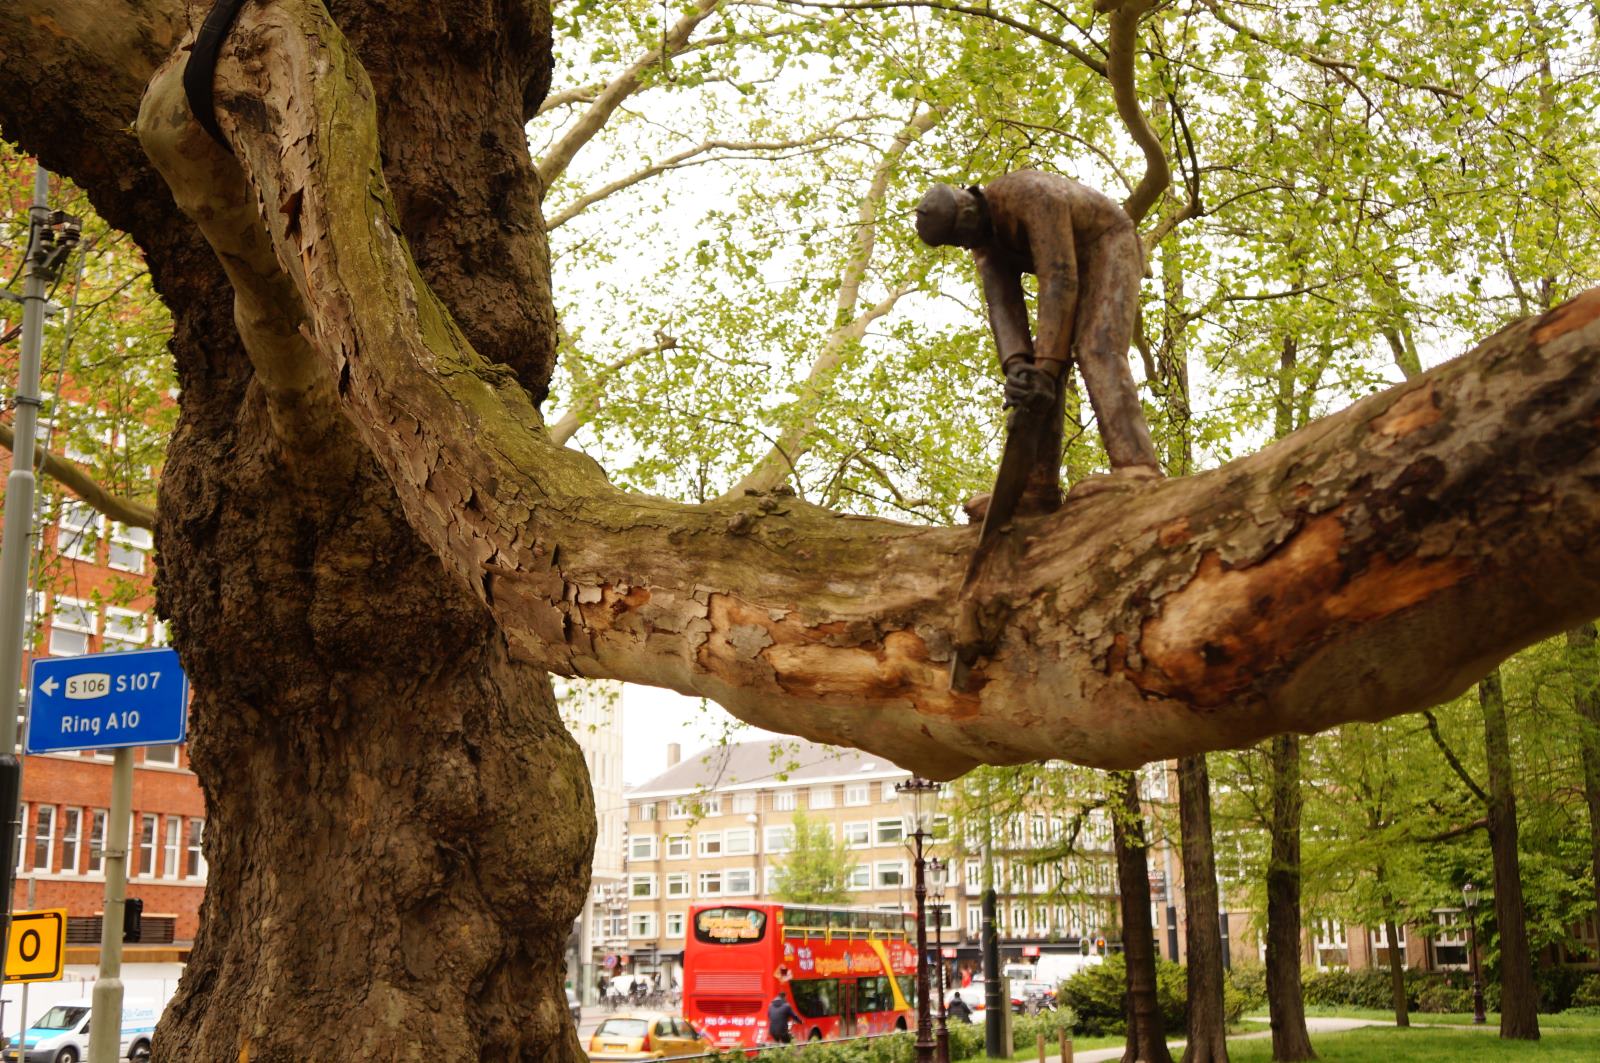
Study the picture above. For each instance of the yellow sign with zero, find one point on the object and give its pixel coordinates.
(36, 946)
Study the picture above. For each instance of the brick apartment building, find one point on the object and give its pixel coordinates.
(97, 597)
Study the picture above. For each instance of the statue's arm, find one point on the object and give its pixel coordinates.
(1055, 260)
(1008, 310)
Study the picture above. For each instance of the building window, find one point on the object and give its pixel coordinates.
(642, 925)
(889, 795)
(769, 883)
(677, 847)
(857, 835)
(710, 884)
(44, 836)
(71, 833)
(710, 843)
(79, 530)
(169, 851)
(857, 793)
(674, 924)
(642, 847)
(164, 755)
(71, 626)
(678, 884)
(195, 864)
(1332, 948)
(740, 882)
(125, 629)
(974, 920)
(891, 831)
(128, 548)
(943, 915)
(743, 803)
(740, 842)
(973, 878)
(695, 807)
(147, 845)
(678, 808)
(97, 839)
(889, 876)
(1378, 943)
(645, 812)
(783, 800)
(860, 877)
(820, 797)
(780, 839)
(642, 887)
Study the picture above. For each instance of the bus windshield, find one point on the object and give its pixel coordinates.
(730, 926)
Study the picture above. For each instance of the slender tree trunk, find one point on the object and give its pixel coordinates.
(1147, 1040)
(1518, 998)
(1208, 1021)
(1587, 702)
(1290, 1039)
(1397, 975)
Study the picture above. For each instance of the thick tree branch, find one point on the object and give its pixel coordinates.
(625, 84)
(1120, 48)
(1293, 589)
(69, 475)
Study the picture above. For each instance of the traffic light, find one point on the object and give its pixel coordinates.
(132, 920)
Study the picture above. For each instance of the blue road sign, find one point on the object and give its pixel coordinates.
(107, 701)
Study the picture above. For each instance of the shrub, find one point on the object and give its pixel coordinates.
(1441, 998)
(1249, 982)
(1587, 994)
(1557, 985)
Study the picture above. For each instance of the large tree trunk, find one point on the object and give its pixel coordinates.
(399, 827)
(1147, 1040)
(1290, 1039)
(1586, 700)
(1519, 1000)
(1208, 1020)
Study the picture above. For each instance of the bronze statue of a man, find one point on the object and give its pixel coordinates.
(1083, 248)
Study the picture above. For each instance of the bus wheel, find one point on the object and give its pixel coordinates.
(900, 1024)
(816, 1034)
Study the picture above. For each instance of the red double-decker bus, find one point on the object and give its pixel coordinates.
(846, 971)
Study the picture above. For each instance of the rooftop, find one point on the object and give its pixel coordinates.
(765, 764)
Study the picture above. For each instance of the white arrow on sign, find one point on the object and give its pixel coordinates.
(49, 687)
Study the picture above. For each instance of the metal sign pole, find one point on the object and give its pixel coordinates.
(16, 548)
(105, 1027)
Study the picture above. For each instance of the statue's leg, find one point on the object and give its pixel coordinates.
(1043, 493)
(1107, 300)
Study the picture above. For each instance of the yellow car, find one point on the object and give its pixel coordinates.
(646, 1035)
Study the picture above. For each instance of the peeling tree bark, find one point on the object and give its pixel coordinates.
(1291, 590)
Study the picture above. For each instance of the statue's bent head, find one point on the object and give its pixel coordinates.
(952, 216)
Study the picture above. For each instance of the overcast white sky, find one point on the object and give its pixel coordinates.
(652, 717)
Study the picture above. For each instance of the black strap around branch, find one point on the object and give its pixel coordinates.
(200, 72)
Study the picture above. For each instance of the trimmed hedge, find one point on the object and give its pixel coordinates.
(966, 1042)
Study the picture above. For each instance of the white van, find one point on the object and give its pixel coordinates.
(61, 1035)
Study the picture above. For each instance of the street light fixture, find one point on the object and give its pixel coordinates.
(938, 878)
(917, 797)
(1469, 897)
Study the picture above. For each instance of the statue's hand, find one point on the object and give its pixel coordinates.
(1029, 387)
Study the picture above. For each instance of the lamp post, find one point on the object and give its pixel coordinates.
(938, 878)
(1469, 897)
(917, 795)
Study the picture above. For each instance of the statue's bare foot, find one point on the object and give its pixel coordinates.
(1129, 476)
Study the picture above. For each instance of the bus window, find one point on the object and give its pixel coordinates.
(840, 922)
(872, 994)
(908, 988)
(730, 926)
(816, 997)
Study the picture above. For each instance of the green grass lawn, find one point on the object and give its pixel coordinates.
(1416, 1045)
(1546, 1022)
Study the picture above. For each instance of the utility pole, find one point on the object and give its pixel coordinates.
(51, 237)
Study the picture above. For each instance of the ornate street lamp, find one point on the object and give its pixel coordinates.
(917, 796)
(938, 878)
(1469, 897)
